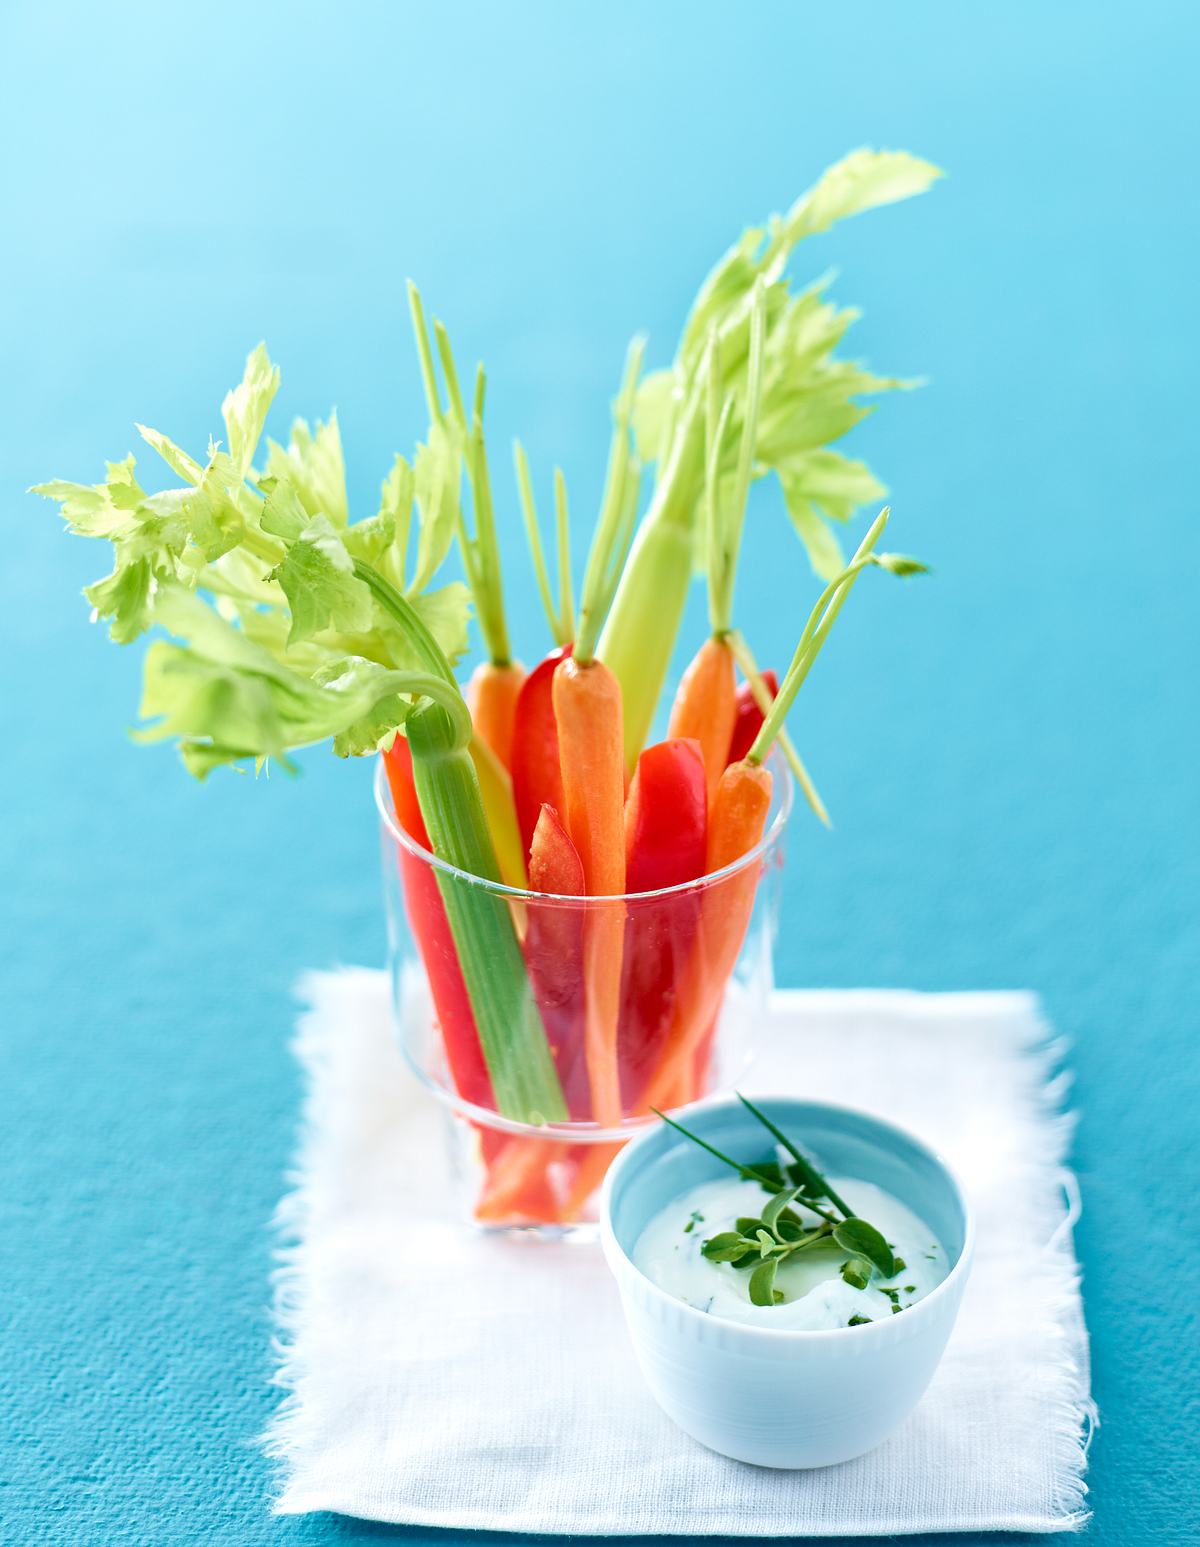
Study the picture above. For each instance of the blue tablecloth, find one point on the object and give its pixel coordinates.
(1009, 749)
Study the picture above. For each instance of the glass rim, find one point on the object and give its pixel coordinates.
(779, 770)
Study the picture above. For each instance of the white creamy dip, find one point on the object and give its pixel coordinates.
(815, 1296)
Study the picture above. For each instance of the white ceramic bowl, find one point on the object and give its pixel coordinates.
(775, 1397)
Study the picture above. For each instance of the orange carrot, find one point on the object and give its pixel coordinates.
(492, 698)
(587, 706)
(519, 1186)
(594, 1161)
(736, 823)
(705, 706)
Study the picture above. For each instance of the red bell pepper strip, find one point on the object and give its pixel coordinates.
(431, 930)
(536, 774)
(666, 817)
(554, 954)
(748, 720)
(666, 840)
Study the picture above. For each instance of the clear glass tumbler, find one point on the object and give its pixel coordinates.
(695, 978)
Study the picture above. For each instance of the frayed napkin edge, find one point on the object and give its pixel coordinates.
(1048, 1087)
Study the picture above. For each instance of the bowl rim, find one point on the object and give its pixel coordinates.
(622, 1264)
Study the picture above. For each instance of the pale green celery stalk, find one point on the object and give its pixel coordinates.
(646, 613)
(511, 1034)
(724, 560)
(643, 621)
(618, 512)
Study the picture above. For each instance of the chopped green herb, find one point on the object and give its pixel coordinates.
(859, 1321)
(900, 1264)
(696, 1219)
(762, 1244)
(896, 1309)
(910, 1289)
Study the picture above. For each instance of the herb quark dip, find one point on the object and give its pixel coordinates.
(811, 1290)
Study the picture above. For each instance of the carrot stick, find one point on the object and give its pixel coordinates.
(587, 707)
(705, 707)
(492, 698)
(518, 1185)
(736, 823)
(589, 1174)
(554, 954)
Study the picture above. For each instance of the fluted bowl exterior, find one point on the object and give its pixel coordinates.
(771, 1397)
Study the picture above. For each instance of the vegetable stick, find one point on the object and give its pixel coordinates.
(495, 790)
(536, 772)
(511, 1033)
(492, 699)
(518, 1185)
(587, 707)
(510, 1030)
(666, 818)
(750, 716)
(431, 931)
(648, 608)
(496, 683)
(737, 821)
(705, 707)
(763, 698)
(590, 1167)
(554, 954)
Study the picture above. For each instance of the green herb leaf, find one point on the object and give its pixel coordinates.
(857, 1236)
(724, 1247)
(770, 1215)
(859, 1321)
(762, 1282)
(813, 1182)
(857, 1272)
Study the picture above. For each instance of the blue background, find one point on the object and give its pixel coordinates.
(1009, 749)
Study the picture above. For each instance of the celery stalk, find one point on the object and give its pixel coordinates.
(524, 1080)
(510, 1029)
(643, 621)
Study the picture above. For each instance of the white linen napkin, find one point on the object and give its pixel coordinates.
(437, 1376)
